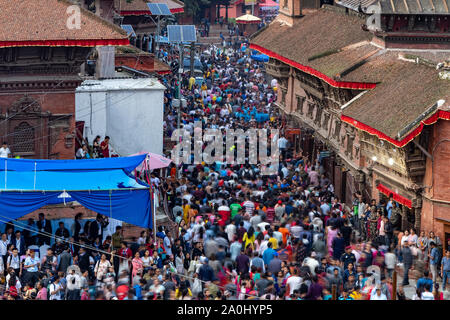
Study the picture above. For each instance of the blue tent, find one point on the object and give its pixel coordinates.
(105, 186)
(260, 57)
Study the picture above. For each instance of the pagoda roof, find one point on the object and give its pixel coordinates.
(401, 95)
(48, 23)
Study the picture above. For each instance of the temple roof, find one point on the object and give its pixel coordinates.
(401, 87)
(401, 6)
(317, 34)
(415, 6)
(404, 92)
(45, 23)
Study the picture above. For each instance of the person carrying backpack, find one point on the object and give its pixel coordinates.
(54, 289)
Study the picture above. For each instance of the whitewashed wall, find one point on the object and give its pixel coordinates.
(132, 117)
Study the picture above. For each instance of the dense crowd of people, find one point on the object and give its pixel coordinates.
(237, 234)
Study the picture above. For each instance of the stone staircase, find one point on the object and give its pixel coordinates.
(214, 35)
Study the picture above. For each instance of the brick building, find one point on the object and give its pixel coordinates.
(369, 99)
(40, 58)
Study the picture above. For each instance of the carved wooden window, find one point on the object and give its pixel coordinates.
(310, 109)
(318, 115)
(326, 119)
(300, 101)
(337, 130)
(350, 146)
(23, 138)
(283, 96)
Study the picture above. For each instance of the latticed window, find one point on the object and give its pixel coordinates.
(23, 138)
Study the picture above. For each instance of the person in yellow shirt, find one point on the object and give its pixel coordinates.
(191, 82)
(186, 208)
(249, 238)
(356, 294)
(273, 240)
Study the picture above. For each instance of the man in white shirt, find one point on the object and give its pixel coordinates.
(294, 282)
(4, 151)
(55, 289)
(230, 230)
(427, 294)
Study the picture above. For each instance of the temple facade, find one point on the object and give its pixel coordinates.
(39, 72)
(369, 101)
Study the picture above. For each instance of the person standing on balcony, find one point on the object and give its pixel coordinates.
(4, 151)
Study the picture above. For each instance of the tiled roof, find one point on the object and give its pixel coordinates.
(415, 6)
(405, 91)
(333, 44)
(46, 20)
(315, 34)
(334, 64)
(354, 4)
(401, 6)
(161, 66)
(141, 5)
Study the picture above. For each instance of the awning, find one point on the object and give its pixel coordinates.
(397, 198)
(175, 6)
(269, 5)
(248, 19)
(102, 185)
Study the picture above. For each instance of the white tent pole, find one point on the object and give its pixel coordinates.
(6, 173)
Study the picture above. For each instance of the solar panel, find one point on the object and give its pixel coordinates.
(189, 33)
(129, 29)
(182, 33)
(159, 9)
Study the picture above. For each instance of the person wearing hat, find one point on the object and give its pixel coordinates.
(347, 257)
(378, 294)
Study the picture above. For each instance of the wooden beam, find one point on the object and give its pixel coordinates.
(406, 5)
(445, 5)
(419, 5)
(393, 6)
(432, 5)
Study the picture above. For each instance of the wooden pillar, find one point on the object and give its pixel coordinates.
(394, 285)
(226, 13)
(404, 218)
(417, 218)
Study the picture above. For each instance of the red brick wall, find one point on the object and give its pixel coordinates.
(139, 62)
(438, 178)
(57, 104)
(61, 212)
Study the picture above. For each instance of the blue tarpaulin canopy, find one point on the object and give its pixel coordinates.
(260, 57)
(105, 186)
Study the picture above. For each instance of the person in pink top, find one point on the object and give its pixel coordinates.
(42, 292)
(331, 234)
(138, 265)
